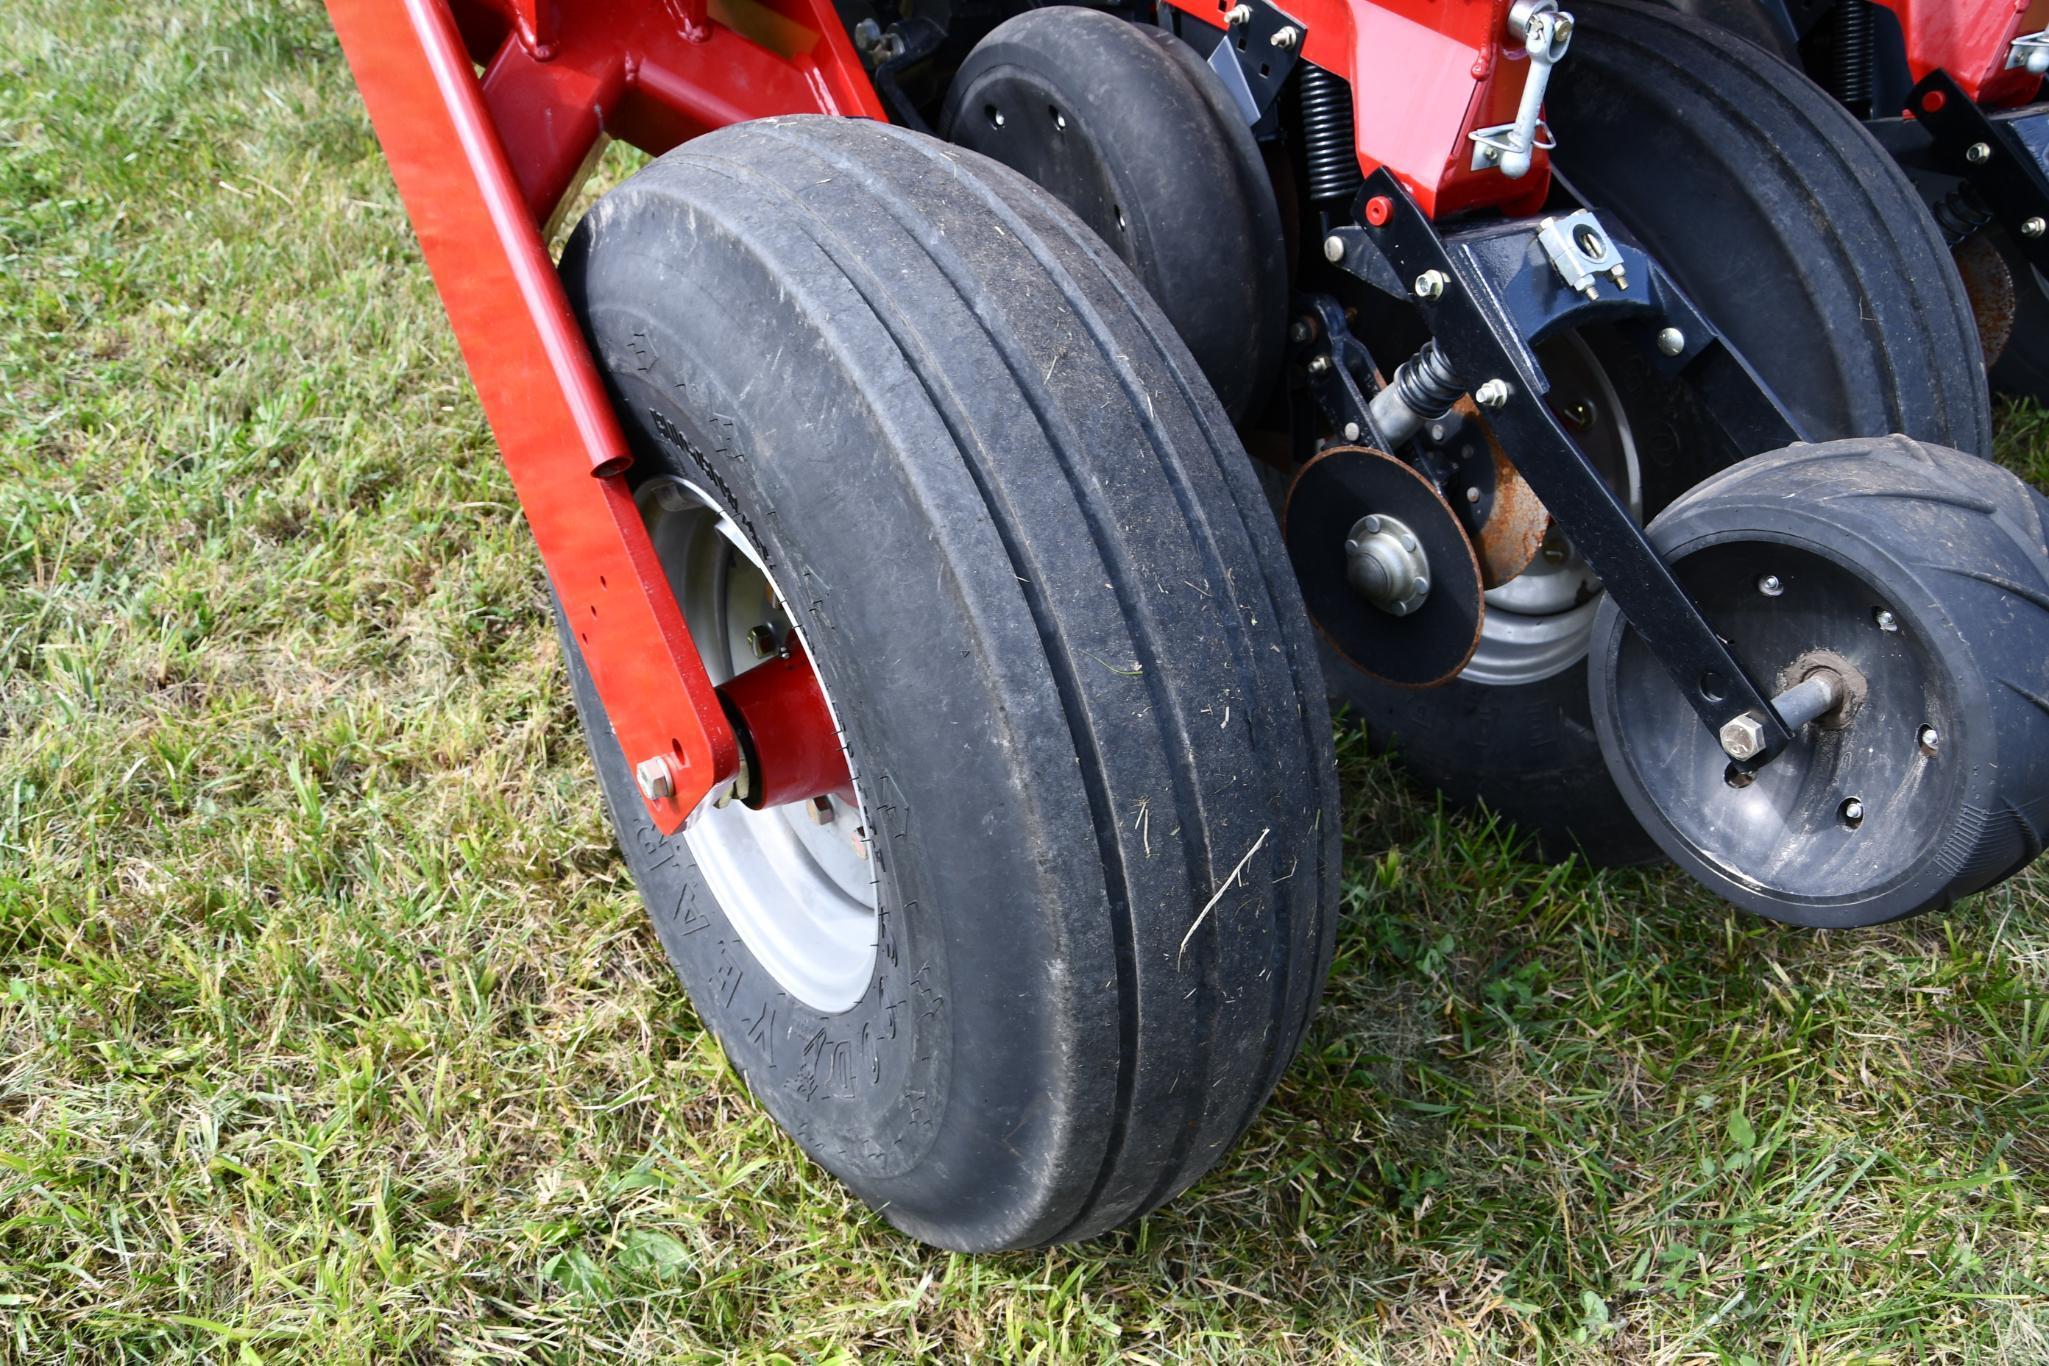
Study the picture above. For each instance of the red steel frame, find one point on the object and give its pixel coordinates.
(1970, 39)
(489, 111)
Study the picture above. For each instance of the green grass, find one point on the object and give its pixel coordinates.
(331, 1030)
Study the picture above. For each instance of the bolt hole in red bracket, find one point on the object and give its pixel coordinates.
(481, 163)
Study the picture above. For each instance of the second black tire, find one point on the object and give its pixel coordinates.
(1796, 233)
(1037, 579)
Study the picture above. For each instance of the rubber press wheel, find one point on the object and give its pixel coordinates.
(1917, 579)
(1795, 232)
(887, 397)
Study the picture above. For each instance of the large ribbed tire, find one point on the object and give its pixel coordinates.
(1920, 574)
(1076, 686)
(1797, 234)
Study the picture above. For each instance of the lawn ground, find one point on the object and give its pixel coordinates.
(331, 1029)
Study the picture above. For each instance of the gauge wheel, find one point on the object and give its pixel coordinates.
(896, 413)
(1798, 236)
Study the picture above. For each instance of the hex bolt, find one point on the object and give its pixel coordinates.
(2035, 227)
(1351, 431)
(761, 640)
(1494, 394)
(1333, 248)
(652, 777)
(1884, 620)
(1286, 38)
(1671, 341)
(1319, 365)
(1978, 153)
(1742, 737)
(820, 810)
(1430, 285)
(1239, 14)
(1929, 738)
(1770, 586)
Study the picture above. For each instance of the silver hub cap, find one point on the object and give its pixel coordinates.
(795, 881)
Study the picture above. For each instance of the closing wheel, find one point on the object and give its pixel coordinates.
(896, 413)
(1907, 588)
(1798, 236)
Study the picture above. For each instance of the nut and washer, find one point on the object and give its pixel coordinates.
(1978, 153)
(652, 777)
(1495, 393)
(1430, 285)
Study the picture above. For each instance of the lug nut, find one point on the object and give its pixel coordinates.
(2035, 227)
(820, 810)
(652, 777)
(1671, 341)
(1333, 248)
(1770, 586)
(1430, 285)
(1978, 153)
(1885, 620)
(1852, 812)
(1743, 737)
(1495, 393)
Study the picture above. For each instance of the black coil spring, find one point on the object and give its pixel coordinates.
(1426, 383)
(1327, 135)
(1849, 68)
(1960, 214)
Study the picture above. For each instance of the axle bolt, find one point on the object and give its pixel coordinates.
(1885, 620)
(1743, 737)
(652, 776)
(1495, 393)
(1333, 248)
(2035, 227)
(1430, 285)
(1978, 153)
(1770, 586)
(1286, 38)
(1671, 341)
(761, 640)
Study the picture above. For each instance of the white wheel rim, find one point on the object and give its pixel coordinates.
(800, 891)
